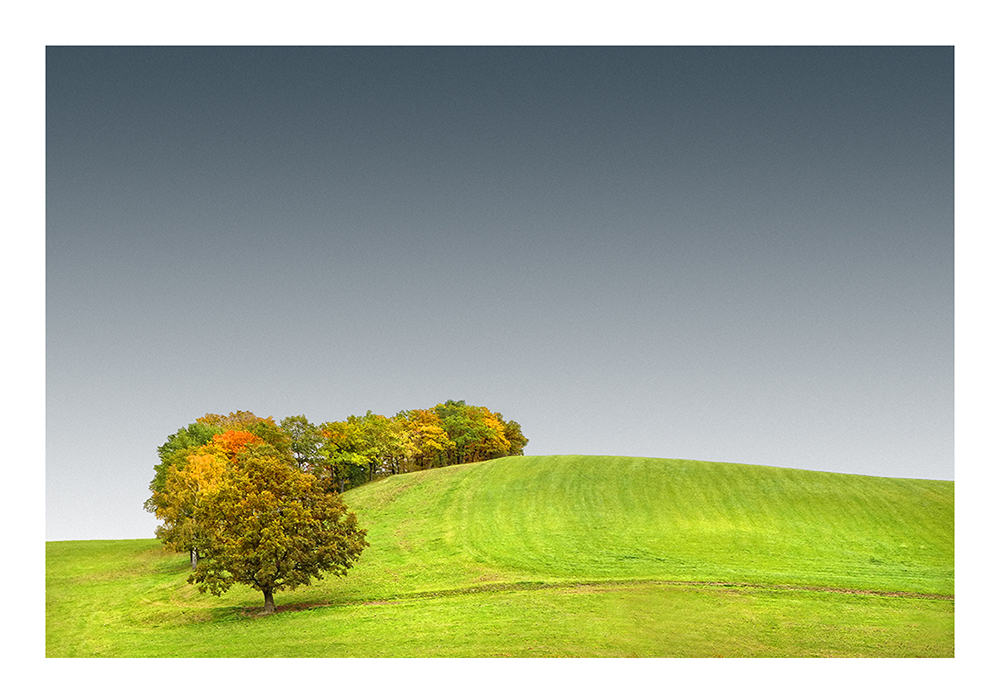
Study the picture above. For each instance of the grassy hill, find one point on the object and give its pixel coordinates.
(562, 556)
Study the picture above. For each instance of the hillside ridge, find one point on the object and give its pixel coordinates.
(569, 517)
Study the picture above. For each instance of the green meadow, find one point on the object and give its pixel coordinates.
(566, 556)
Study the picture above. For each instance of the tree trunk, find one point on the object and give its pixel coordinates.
(194, 559)
(268, 601)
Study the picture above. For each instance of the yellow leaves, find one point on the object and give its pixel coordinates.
(204, 469)
(187, 483)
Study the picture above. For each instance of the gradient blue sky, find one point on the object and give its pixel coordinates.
(739, 255)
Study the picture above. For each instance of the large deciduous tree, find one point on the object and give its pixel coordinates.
(270, 526)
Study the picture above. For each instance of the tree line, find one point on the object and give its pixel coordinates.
(360, 449)
(257, 502)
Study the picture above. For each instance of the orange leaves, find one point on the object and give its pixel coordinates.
(232, 442)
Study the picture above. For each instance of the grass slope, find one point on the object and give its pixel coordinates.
(562, 556)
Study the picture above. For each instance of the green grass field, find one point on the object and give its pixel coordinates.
(561, 556)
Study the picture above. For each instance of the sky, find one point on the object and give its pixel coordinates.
(725, 254)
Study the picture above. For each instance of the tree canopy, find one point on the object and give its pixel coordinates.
(270, 526)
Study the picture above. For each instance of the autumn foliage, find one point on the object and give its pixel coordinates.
(258, 503)
(364, 448)
(232, 442)
(269, 526)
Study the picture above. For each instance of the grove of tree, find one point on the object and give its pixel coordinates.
(257, 502)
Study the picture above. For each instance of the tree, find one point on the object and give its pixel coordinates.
(490, 441)
(173, 450)
(477, 433)
(186, 484)
(428, 439)
(379, 442)
(270, 526)
(344, 455)
(258, 503)
(187, 475)
(307, 443)
(514, 435)
(459, 425)
(173, 497)
(264, 428)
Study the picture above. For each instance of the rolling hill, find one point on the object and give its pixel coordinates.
(563, 556)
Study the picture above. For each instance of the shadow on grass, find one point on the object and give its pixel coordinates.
(243, 612)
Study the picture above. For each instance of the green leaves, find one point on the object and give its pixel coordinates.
(477, 433)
